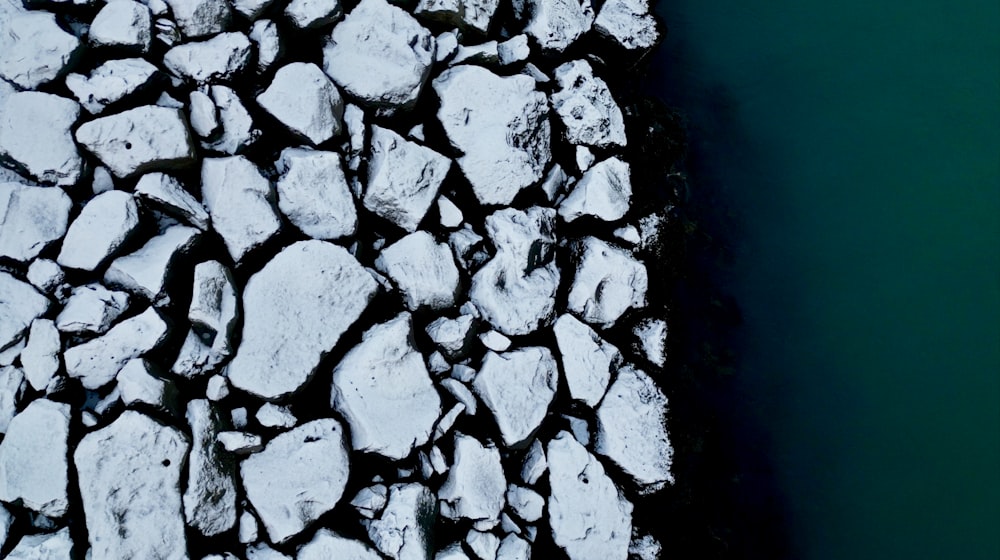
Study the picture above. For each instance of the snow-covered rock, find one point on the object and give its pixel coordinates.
(607, 282)
(148, 138)
(326, 545)
(628, 23)
(40, 356)
(313, 193)
(38, 52)
(312, 14)
(20, 304)
(298, 477)
(33, 458)
(238, 130)
(103, 226)
(476, 485)
(122, 24)
(145, 272)
(303, 98)
(210, 494)
(44, 546)
(296, 308)
(501, 126)
(200, 18)
(35, 137)
(98, 361)
(517, 387)
(604, 192)
(587, 359)
(525, 503)
(423, 269)
(31, 218)
(404, 530)
(91, 309)
(219, 59)
(241, 203)
(473, 15)
(166, 193)
(110, 82)
(557, 24)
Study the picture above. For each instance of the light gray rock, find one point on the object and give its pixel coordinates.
(240, 443)
(12, 386)
(604, 192)
(447, 422)
(148, 138)
(450, 214)
(483, 545)
(500, 124)
(20, 304)
(645, 547)
(214, 305)
(651, 339)
(517, 387)
(587, 359)
(467, 245)
(196, 356)
(146, 272)
(102, 181)
(200, 18)
(12, 353)
(130, 482)
(166, 193)
(371, 501)
(218, 59)
(326, 545)
(35, 138)
(38, 53)
(91, 309)
(137, 384)
(296, 308)
(466, 14)
(98, 361)
(590, 519)
(303, 98)
(525, 503)
(241, 203)
(6, 520)
(404, 530)
(376, 379)
(313, 193)
(217, 388)
(354, 122)
(298, 477)
(44, 546)
(423, 269)
(271, 415)
(98, 232)
(453, 551)
(45, 275)
(313, 14)
(265, 34)
(403, 178)
(40, 357)
(31, 218)
(587, 109)
(628, 23)
(238, 131)
(462, 394)
(33, 459)
(514, 50)
(122, 24)
(483, 54)
(494, 341)
(251, 9)
(607, 282)
(557, 24)
(204, 115)
(110, 82)
(446, 44)
(249, 528)
(210, 494)
(379, 55)
(261, 551)
(584, 158)
(475, 486)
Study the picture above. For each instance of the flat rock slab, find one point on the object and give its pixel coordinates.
(39, 52)
(31, 218)
(35, 137)
(313, 193)
(146, 272)
(96, 362)
(33, 458)
(518, 387)
(303, 98)
(603, 192)
(148, 138)
(476, 486)
(587, 359)
(106, 222)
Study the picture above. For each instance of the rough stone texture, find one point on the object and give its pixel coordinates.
(238, 131)
(215, 306)
(130, 480)
(264, 33)
(556, 24)
(586, 107)
(251, 9)
(110, 82)
(138, 384)
(475, 486)
(146, 271)
(35, 137)
(40, 357)
(45, 275)
(200, 18)
(38, 53)
(501, 126)
(167, 194)
(241, 203)
(313, 194)
(304, 99)
(651, 338)
(33, 458)
(525, 503)
(20, 304)
(148, 138)
(403, 531)
(312, 14)
(327, 545)
(218, 59)
(44, 546)
(379, 378)
(423, 269)
(587, 359)
(607, 282)
(103, 226)
(628, 23)
(296, 308)
(473, 15)
(604, 192)
(453, 336)
(12, 387)
(298, 477)
(98, 361)
(517, 387)
(122, 24)
(91, 309)
(31, 218)
(271, 415)
(210, 497)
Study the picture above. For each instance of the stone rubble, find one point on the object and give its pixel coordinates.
(31, 219)
(35, 137)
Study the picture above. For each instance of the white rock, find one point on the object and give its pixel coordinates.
(445, 45)
(326, 545)
(271, 415)
(44, 546)
(371, 501)
(238, 131)
(451, 215)
(554, 182)
(517, 387)
(241, 203)
(102, 181)
(483, 54)
(423, 269)
(204, 116)
(535, 464)
(515, 291)
(604, 192)
(138, 384)
(35, 137)
(122, 24)
(514, 50)
(438, 462)
(525, 503)
(535, 73)
(632, 430)
(514, 547)
(376, 379)
(628, 234)
(12, 353)
(298, 477)
(20, 304)
(145, 272)
(313, 193)
(437, 363)
(38, 53)
(98, 361)
(40, 357)
(587, 359)
(463, 373)
(466, 14)
(240, 443)
(404, 530)
(148, 138)
(445, 424)
(6, 519)
(265, 34)
(313, 14)
(354, 122)
(251, 9)
(110, 82)
(557, 24)
(590, 519)
(33, 458)
(579, 428)
(587, 109)
(261, 551)
(501, 126)
(167, 194)
(45, 275)
(296, 308)
(607, 282)
(210, 494)
(476, 484)
(467, 245)
(248, 528)
(451, 552)
(91, 309)
(403, 178)
(483, 545)
(379, 55)
(103, 226)
(304, 99)
(628, 23)
(645, 548)
(217, 388)
(130, 482)
(12, 387)
(218, 59)
(200, 18)
(31, 218)
(462, 394)
(494, 341)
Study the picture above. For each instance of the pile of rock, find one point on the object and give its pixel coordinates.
(321, 280)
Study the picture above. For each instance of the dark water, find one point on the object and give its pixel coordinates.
(846, 166)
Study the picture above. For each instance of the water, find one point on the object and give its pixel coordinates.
(848, 155)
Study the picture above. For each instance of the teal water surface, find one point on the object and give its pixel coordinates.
(857, 146)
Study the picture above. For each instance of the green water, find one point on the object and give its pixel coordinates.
(858, 145)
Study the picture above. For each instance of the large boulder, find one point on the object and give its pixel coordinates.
(148, 138)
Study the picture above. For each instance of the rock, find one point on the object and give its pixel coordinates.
(130, 482)
(20, 304)
(137, 384)
(473, 15)
(91, 309)
(501, 126)
(632, 430)
(271, 415)
(217, 388)
(451, 552)
(628, 23)
(214, 308)
(354, 122)
(403, 531)
(451, 215)
(238, 130)
(110, 82)
(12, 387)
(557, 24)
(423, 269)
(45, 275)
(525, 503)
(607, 282)
(447, 421)
(554, 182)
(122, 24)
(379, 55)
(261, 551)
(515, 291)
(586, 107)
(303, 98)
(587, 359)
(446, 44)
(200, 18)
(326, 545)
(251, 9)
(313, 193)
(494, 341)
(33, 458)
(219, 59)
(651, 335)
(241, 203)
(313, 14)
(240, 443)
(514, 50)
(462, 394)
(148, 138)
(98, 361)
(40, 357)
(248, 528)
(204, 116)
(517, 387)
(145, 272)
(44, 546)
(264, 33)
(31, 218)
(513, 547)
(628, 234)
(645, 548)
(584, 158)
(604, 192)
(371, 501)
(590, 519)
(35, 138)
(210, 494)
(476, 484)
(103, 181)
(467, 245)
(103, 226)
(166, 193)
(483, 54)
(38, 53)
(6, 519)
(298, 477)
(376, 379)
(483, 545)
(403, 178)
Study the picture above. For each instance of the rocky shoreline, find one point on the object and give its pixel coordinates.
(319, 279)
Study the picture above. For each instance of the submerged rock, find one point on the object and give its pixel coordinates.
(404, 530)
(35, 137)
(31, 218)
(34, 456)
(148, 138)
(103, 226)
(517, 387)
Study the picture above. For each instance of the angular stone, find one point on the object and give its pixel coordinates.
(167, 194)
(265, 34)
(514, 50)
(607, 282)
(271, 415)
(33, 458)
(200, 18)
(31, 218)
(145, 272)
(238, 131)
(326, 545)
(371, 501)
(313, 14)
(376, 379)
(423, 269)
(466, 14)
(35, 138)
(451, 552)
(462, 394)
(651, 339)
(241, 203)
(103, 226)
(40, 357)
(304, 99)
(122, 24)
(44, 546)
(210, 496)
(517, 387)
(204, 116)
(525, 503)
(296, 308)
(557, 24)
(500, 124)
(628, 23)
(148, 138)
(20, 304)
(483, 545)
(298, 477)
(137, 384)
(403, 178)
(476, 484)
(261, 551)
(12, 387)
(218, 59)
(604, 192)
(494, 341)
(251, 9)
(404, 530)
(451, 215)
(110, 82)
(587, 109)
(313, 194)
(38, 53)
(130, 482)
(645, 548)
(214, 305)
(240, 443)
(45, 275)
(587, 359)
(91, 309)
(98, 361)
